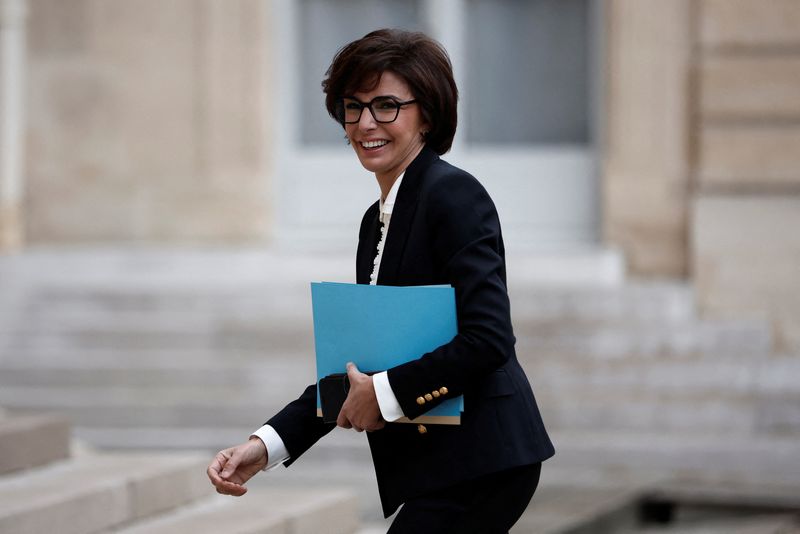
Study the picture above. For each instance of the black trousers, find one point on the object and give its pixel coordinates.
(490, 504)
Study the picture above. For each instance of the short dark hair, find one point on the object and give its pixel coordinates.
(419, 60)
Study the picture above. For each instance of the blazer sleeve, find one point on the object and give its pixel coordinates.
(298, 425)
(466, 242)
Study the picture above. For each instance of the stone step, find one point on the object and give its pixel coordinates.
(764, 524)
(59, 357)
(753, 498)
(741, 373)
(734, 373)
(56, 316)
(628, 302)
(579, 409)
(262, 336)
(758, 394)
(273, 340)
(261, 511)
(645, 339)
(176, 432)
(574, 407)
(339, 445)
(234, 266)
(272, 389)
(739, 511)
(663, 375)
(28, 441)
(184, 407)
(169, 438)
(707, 457)
(58, 308)
(216, 374)
(575, 510)
(94, 493)
(173, 266)
(372, 528)
(708, 394)
(55, 307)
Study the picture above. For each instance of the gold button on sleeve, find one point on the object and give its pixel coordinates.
(443, 390)
(421, 429)
(420, 401)
(435, 394)
(428, 397)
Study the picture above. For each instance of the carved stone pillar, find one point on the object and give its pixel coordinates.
(12, 63)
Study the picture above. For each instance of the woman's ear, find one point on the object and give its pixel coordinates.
(424, 130)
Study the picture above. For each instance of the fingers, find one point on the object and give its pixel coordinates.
(342, 420)
(230, 466)
(231, 488)
(217, 465)
(221, 467)
(360, 410)
(377, 426)
(345, 420)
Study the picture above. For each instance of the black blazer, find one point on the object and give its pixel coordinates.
(444, 230)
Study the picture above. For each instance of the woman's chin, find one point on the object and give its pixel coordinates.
(370, 162)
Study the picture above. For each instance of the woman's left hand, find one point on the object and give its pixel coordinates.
(360, 410)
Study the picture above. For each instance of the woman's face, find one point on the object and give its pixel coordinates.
(387, 148)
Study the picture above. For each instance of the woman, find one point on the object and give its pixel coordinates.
(393, 93)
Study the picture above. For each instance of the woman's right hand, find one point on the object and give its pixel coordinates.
(232, 467)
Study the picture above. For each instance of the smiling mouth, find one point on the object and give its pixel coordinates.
(374, 144)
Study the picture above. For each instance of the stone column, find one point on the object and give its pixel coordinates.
(646, 178)
(12, 62)
(746, 206)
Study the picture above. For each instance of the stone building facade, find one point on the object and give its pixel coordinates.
(699, 147)
(701, 170)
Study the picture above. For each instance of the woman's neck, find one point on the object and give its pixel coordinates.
(385, 182)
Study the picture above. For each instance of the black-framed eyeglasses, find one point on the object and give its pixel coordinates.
(383, 108)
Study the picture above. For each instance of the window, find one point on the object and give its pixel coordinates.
(527, 75)
(333, 25)
(528, 78)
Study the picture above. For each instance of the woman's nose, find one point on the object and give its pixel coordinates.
(367, 121)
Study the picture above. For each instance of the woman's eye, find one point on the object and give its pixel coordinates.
(385, 105)
(352, 105)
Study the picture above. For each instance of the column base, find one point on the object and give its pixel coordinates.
(11, 233)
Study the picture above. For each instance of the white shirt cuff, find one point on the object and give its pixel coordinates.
(276, 450)
(387, 402)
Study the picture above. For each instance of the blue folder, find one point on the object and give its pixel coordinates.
(379, 327)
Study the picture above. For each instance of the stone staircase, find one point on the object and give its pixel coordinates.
(186, 356)
(622, 505)
(31, 441)
(194, 349)
(45, 488)
(638, 358)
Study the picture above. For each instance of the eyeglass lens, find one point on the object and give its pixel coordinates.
(384, 109)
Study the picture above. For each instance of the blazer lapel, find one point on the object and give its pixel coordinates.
(368, 246)
(402, 215)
